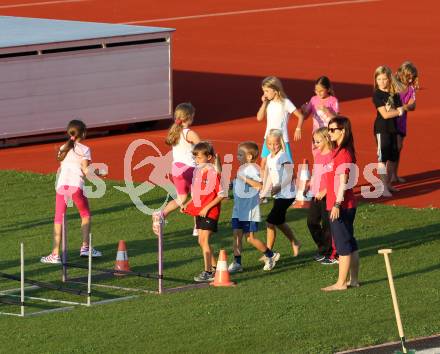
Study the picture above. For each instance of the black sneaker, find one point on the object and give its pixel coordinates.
(204, 277)
(329, 261)
(318, 257)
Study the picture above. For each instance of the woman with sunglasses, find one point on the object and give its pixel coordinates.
(341, 202)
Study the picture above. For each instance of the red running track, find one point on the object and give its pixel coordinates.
(220, 60)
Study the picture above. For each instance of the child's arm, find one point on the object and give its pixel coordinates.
(410, 106)
(262, 111)
(267, 184)
(321, 194)
(255, 184)
(300, 116)
(85, 167)
(208, 207)
(283, 180)
(392, 113)
(306, 110)
(184, 205)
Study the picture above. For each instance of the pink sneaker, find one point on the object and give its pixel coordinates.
(51, 259)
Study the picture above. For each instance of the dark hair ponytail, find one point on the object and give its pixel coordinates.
(76, 129)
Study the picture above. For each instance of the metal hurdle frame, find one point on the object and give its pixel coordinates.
(159, 276)
(38, 285)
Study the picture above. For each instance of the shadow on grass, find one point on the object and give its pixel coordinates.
(405, 239)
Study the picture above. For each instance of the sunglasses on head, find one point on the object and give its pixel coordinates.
(332, 130)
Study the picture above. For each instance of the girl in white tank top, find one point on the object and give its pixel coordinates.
(182, 139)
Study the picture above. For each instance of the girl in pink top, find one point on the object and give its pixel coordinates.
(318, 218)
(75, 159)
(182, 140)
(406, 83)
(323, 106)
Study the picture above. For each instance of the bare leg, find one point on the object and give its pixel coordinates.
(238, 242)
(344, 267)
(391, 169)
(206, 249)
(287, 231)
(353, 281)
(271, 235)
(213, 260)
(396, 177)
(174, 204)
(382, 172)
(256, 242)
(56, 239)
(85, 230)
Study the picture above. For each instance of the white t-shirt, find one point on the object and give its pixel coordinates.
(246, 197)
(182, 152)
(70, 173)
(277, 115)
(278, 173)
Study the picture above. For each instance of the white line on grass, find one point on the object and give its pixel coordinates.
(29, 4)
(218, 14)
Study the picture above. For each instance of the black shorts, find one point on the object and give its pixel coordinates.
(206, 224)
(386, 147)
(277, 215)
(343, 232)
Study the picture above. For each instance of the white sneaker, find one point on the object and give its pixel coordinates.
(51, 259)
(269, 262)
(195, 232)
(235, 267)
(84, 252)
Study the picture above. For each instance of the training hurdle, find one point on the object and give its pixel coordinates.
(109, 273)
(8, 297)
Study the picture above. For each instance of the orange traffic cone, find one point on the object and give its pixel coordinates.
(302, 201)
(122, 258)
(221, 273)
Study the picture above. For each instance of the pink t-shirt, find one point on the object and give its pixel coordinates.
(320, 170)
(70, 173)
(320, 118)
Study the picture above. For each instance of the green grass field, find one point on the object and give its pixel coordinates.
(282, 311)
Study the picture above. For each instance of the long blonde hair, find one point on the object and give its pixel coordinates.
(183, 115)
(403, 72)
(275, 84)
(383, 69)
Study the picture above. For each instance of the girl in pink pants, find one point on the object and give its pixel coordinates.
(75, 159)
